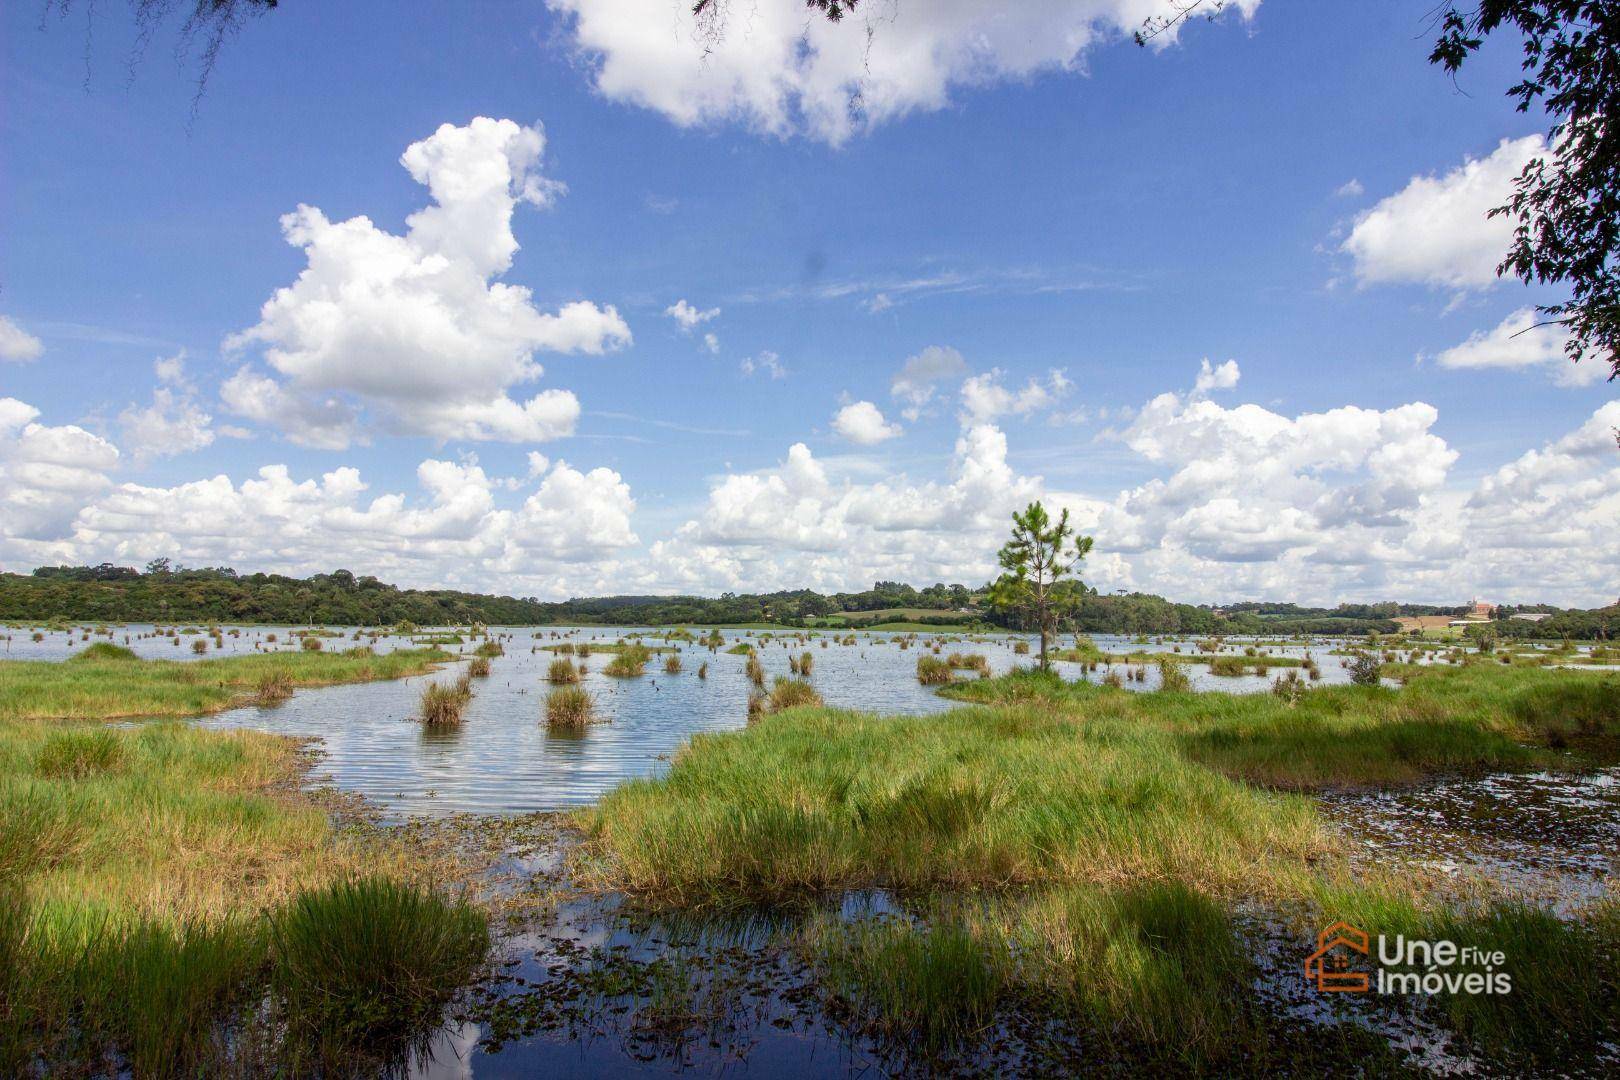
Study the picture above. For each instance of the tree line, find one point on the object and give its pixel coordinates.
(166, 593)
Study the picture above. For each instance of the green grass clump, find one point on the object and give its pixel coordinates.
(1445, 720)
(969, 662)
(628, 662)
(789, 693)
(103, 651)
(1149, 969)
(272, 687)
(672, 664)
(755, 671)
(443, 703)
(1228, 665)
(369, 963)
(77, 753)
(937, 984)
(971, 798)
(1173, 679)
(562, 670)
(490, 649)
(932, 671)
(569, 707)
(478, 667)
(106, 687)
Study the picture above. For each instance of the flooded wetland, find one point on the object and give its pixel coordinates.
(987, 870)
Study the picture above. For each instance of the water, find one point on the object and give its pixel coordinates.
(504, 759)
(1545, 837)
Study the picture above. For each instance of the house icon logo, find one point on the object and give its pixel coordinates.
(1328, 968)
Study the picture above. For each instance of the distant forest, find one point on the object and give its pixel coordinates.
(165, 593)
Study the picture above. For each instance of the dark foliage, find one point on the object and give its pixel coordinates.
(1567, 201)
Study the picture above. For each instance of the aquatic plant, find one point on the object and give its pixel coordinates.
(1365, 669)
(478, 667)
(102, 651)
(272, 688)
(569, 707)
(672, 664)
(562, 670)
(77, 754)
(932, 671)
(628, 662)
(368, 964)
(1173, 679)
(443, 703)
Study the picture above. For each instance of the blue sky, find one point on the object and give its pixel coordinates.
(1290, 189)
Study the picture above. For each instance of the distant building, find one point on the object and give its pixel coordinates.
(1479, 612)
(1532, 616)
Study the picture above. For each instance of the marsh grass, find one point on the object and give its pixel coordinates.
(755, 671)
(478, 667)
(672, 664)
(970, 798)
(1054, 783)
(135, 865)
(970, 662)
(569, 707)
(562, 670)
(76, 754)
(103, 651)
(1445, 720)
(364, 965)
(628, 662)
(1173, 679)
(932, 671)
(272, 688)
(443, 703)
(1150, 969)
(102, 686)
(791, 694)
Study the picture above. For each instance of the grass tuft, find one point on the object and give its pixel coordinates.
(569, 707)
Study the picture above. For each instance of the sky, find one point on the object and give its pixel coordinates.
(573, 297)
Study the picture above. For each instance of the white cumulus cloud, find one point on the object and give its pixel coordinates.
(774, 69)
(1436, 230)
(416, 328)
(863, 424)
(17, 344)
(1522, 340)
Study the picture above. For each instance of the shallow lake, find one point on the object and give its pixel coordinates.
(503, 758)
